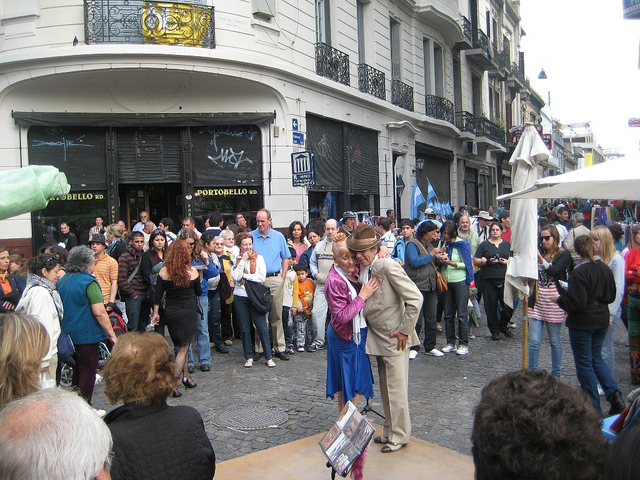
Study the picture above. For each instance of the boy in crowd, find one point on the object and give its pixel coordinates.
(290, 292)
(302, 305)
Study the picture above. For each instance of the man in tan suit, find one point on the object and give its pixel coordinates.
(391, 313)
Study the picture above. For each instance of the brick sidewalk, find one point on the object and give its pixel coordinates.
(442, 391)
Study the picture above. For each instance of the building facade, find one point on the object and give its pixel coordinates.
(184, 108)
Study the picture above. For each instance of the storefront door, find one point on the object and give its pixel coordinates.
(159, 200)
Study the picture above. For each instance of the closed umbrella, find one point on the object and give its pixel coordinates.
(523, 264)
(27, 189)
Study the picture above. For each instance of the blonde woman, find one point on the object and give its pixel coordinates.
(605, 248)
(23, 344)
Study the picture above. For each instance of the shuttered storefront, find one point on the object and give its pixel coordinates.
(437, 167)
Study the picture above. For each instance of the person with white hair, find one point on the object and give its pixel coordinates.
(53, 434)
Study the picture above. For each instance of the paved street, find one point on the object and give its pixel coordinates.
(442, 392)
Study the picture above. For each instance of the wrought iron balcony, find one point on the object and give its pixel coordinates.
(488, 129)
(482, 42)
(150, 22)
(467, 30)
(332, 63)
(402, 95)
(465, 122)
(440, 108)
(371, 81)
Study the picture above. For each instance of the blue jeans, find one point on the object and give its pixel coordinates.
(535, 339)
(202, 336)
(287, 326)
(455, 307)
(137, 314)
(215, 330)
(246, 314)
(590, 368)
(608, 352)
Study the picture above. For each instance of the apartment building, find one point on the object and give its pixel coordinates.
(183, 108)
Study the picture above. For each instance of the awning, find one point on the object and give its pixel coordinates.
(141, 119)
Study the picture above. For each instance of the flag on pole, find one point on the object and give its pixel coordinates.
(417, 199)
(430, 191)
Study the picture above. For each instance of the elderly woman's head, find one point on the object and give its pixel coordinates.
(428, 231)
(140, 369)
(114, 231)
(342, 256)
(80, 260)
(24, 342)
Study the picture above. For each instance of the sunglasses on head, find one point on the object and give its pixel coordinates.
(157, 231)
(545, 238)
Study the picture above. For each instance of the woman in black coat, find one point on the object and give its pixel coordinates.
(591, 289)
(152, 440)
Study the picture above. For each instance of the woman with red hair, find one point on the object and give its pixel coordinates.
(179, 284)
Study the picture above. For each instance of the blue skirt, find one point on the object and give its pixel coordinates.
(348, 367)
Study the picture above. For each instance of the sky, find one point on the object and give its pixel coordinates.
(590, 54)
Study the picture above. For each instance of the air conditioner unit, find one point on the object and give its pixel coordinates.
(472, 148)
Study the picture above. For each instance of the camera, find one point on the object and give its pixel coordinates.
(496, 258)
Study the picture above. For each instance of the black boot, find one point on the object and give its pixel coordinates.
(617, 403)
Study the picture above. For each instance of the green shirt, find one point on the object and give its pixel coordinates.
(455, 274)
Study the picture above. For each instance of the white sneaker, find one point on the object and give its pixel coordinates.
(434, 353)
(449, 348)
(462, 350)
(512, 325)
(413, 354)
(271, 363)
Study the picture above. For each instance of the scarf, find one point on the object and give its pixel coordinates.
(252, 262)
(464, 248)
(112, 245)
(38, 281)
(358, 321)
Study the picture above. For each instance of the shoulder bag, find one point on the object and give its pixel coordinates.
(441, 282)
(259, 296)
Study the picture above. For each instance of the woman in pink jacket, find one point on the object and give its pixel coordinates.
(348, 369)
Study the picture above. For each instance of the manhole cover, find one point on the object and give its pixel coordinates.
(250, 418)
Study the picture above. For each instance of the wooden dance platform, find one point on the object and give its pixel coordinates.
(304, 459)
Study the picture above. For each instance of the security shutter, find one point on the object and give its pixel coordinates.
(78, 152)
(361, 147)
(324, 137)
(437, 165)
(148, 155)
(226, 155)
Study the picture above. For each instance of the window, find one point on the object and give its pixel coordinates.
(433, 68)
(396, 49)
(323, 29)
(361, 40)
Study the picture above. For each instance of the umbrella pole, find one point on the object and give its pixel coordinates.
(525, 333)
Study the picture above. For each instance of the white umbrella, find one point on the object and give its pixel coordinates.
(615, 180)
(522, 267)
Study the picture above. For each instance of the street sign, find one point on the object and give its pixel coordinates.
(298, 138)
(303, 168)
(634, 122)
(294, 124)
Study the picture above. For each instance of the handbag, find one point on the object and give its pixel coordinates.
(259, 296)
(224, 288)
(441, 282)
(65, 346)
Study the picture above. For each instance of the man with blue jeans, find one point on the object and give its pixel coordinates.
(272, 245)
(133, 285)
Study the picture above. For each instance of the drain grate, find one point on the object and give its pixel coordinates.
(250, 418)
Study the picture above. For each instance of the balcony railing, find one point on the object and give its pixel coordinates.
(501, 59)
(371, 81)
(467, 30)
(486, 128)
(465, 122)
(137, 21)
(482, 42)
(440, 108)
(332, 63)
(402, 95)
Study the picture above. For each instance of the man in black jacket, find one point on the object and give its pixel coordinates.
(133, 285)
